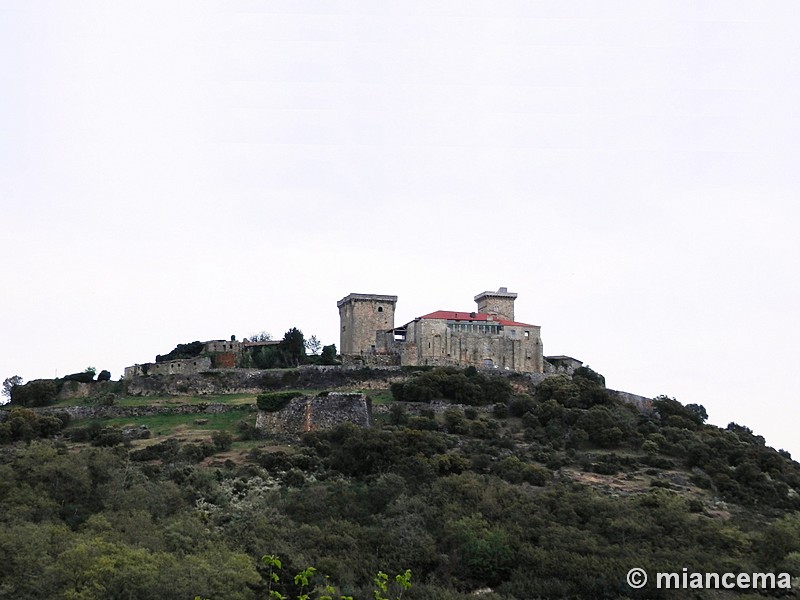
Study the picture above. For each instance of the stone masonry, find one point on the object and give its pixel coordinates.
(488, 338)
(306, 414)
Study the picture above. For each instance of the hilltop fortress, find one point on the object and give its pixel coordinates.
(489, 337)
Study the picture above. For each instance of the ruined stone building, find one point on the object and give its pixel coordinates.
(213, 354)
(489, 337)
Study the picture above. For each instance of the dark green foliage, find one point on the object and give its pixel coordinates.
(23, 424)
(275, 401)
(292, 348)
(328, 355)
(222, 440)
(583, 390)
(266, 357)
(674, 413)
(455, 422)
(360, 452)
(189, 350)
(454, 385)
(397, 414)
(584, 372)
(10, 382)
(514, 470)
(38, 392)
(289, 352)
(520, 405)
(500, 410)
(493, 505)
(166, 451)
(84, 377)
(104, 375)
(608, 427)
(247, 430)
(108, 436)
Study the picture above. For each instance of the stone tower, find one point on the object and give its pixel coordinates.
(360, 317)
(500, 303)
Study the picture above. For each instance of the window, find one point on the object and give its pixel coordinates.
(527, 334)
(513, 333)
(380, 309)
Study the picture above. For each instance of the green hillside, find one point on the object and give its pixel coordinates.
(477, 484)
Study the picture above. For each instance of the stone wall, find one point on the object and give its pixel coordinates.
(115, 412)
(252, 381)
(306, 414)
(171, 367)
(72, 390)
(645, 405)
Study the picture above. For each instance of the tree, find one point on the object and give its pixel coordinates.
(104, 375)
(293, 347)
(262, 336)
(10, 383)
(313, 345)
(328, 356)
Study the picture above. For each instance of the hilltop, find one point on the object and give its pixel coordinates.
(163, 486)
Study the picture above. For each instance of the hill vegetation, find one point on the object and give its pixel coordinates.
(472, 481)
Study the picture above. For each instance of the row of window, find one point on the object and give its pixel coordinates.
(483, 328)
(474, 328)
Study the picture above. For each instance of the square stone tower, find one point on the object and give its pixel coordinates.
(361, 316)
(500, 303)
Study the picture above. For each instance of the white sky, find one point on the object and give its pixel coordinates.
(173, 171)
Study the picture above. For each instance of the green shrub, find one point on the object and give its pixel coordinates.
(84, 377)
(247, 431)
(189, 350)
(222, 440)
(454, 385)
(38, 392)
(108, 436)
(500, 410)
(520, 405)
(275, 401)
(24, 424)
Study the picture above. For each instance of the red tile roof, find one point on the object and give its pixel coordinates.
(451, 315)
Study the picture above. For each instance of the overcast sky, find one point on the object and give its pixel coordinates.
(177, 171)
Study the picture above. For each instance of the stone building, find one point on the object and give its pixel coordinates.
(489, 337)
(215, 354)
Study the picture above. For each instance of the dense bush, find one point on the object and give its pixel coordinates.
(583, 390)
(190, 350)
(275, 401)
(22, 424)
(460, 387)
(472, 502)
(83, 377)
(38, 392)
